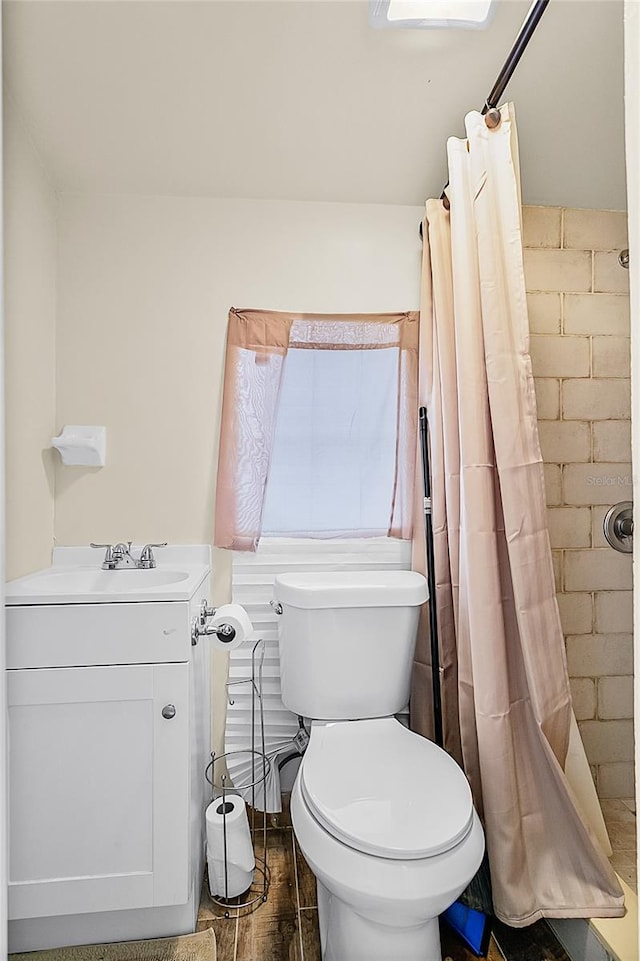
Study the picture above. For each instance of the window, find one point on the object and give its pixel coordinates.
(332, 464)
(319, 423)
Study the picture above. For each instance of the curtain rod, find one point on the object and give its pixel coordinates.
(526, 32)
(490, 109)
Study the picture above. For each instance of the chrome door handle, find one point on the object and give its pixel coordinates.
(169, 711)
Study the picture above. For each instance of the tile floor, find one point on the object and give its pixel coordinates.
(620, 818)
(285, 927)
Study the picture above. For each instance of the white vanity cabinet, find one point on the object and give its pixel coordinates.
(108, 742)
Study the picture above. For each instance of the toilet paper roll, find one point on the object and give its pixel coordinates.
(228, 818)
(237, 618)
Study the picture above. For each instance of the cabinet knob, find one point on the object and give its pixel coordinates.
(168, 711)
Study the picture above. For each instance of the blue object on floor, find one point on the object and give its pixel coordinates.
(474, 927)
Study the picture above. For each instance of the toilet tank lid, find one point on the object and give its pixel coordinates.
(315, 589)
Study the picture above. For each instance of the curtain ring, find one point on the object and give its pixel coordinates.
(493, 118)
(446, 202)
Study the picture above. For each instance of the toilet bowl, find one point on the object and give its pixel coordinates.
(386, 822)
(383, 816)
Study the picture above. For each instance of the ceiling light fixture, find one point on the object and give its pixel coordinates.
(464, 14)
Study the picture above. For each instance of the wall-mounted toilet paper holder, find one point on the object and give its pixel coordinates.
(233, 628)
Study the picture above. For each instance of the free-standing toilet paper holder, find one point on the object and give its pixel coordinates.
(259, 767)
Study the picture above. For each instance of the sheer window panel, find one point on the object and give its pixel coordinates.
(332, 466)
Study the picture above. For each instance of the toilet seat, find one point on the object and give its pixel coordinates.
(384, 790)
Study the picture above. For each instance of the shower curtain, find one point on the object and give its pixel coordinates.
(506, 699)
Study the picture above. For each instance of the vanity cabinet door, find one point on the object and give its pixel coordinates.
(98, 788)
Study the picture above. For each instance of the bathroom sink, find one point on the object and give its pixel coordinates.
(82, 581)
(76, 578)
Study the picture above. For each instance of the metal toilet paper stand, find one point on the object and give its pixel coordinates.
(221, 787)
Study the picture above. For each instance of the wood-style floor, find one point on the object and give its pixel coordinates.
(285, 927)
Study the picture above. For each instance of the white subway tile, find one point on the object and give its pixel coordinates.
(560, 270)
(596, 399)
(595, 229)
(560, 355)
(596, 314)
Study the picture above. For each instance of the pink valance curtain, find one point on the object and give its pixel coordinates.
(257, 346)
(507, 704)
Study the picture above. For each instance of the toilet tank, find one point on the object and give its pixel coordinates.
(346, 641)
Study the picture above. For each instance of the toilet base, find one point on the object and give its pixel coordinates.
(347, 936)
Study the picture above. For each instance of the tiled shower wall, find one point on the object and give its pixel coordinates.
(580, 340)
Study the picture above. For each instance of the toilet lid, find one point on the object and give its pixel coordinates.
(380, 788)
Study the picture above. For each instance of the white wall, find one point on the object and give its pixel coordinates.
(145, 285)
(30, 257)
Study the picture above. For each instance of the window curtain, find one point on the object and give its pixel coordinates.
(257, 346)
(507, 704)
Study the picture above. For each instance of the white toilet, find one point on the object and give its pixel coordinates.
(384, 817)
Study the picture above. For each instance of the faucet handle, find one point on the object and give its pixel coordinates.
(109, 560)
(147, 560)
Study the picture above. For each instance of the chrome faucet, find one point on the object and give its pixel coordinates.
(122, 556)
(118, 557)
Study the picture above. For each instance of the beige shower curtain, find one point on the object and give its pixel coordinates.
(506, 699)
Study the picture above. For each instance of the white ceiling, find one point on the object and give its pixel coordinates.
(305, 100)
